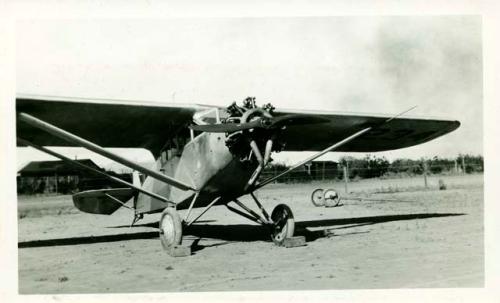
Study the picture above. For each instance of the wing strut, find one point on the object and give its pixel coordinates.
(321, 153)
(115, 179)
(65, 135)
(329, 149)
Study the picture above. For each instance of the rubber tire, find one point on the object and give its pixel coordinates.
(336, 202)
(175, 238)
(288, 229)
(318, 203)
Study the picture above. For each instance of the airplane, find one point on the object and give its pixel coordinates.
(205, 155)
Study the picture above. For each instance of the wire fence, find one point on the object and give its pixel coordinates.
(347, 173)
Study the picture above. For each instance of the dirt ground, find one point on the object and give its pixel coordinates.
(419, 239)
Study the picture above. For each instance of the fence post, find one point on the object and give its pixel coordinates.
(425, 174)
(323, 173)
(346, 176)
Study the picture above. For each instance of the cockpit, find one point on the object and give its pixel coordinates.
(175, 145)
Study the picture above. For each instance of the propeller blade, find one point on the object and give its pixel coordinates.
(226, 127)
(265, 123)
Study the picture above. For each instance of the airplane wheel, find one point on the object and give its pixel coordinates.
(284, 224)
(331, 198)
(170, 228)
(317, 197)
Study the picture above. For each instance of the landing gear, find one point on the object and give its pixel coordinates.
(280, 223)
(283, 224)
(170, 228)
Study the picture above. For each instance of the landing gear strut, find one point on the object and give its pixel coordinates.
(281, 223)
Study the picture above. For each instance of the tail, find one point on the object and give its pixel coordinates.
(107, 201)
(103, 201)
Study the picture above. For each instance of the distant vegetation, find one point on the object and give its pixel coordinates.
(371, 166)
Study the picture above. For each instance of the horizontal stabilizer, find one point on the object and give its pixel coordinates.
(102, 201)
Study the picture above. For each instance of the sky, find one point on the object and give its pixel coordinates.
(356, 64)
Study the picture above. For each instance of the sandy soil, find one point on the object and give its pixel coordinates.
(429, 238)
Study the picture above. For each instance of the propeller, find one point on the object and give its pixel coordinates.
(261, 122)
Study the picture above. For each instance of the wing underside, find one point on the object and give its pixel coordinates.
(398, 133)
(106, 123)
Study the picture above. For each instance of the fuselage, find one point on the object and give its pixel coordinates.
(204, 163)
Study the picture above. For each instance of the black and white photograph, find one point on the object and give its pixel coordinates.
(249, 154)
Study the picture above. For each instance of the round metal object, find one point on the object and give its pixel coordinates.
(331, 198)
(251, 114)
(283, 224)
(317, 197)
(170, 228)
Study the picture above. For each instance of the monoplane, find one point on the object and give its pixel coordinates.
(205, 155)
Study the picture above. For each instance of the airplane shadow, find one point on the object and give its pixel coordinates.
(240, 232)
(152, 224)
(88, 240)
(250, 233)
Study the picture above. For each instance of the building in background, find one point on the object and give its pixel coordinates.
(59, 177)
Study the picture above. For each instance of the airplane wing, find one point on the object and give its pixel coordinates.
(398, 133)
(118, 123)
(108, 123)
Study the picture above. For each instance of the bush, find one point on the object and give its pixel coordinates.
(379, 167)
